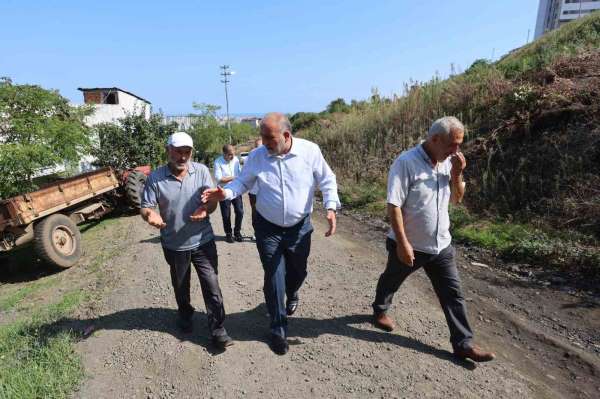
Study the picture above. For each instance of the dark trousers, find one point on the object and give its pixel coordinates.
(238, 209)
(205, 261)
(284, 253)
(443, 274)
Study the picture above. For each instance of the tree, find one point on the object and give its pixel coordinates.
(338, 105)
(303, 120)
(38, 130)
(209, 135)
(133, 141)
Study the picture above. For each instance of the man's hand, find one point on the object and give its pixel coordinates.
(331, 219)
(459, 163)
(405, 253)
(154, 219)
(213, 195)
(199, 214)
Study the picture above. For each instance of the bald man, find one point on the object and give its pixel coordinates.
(227, 168)
(286, 171)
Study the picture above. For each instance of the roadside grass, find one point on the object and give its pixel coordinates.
(34, 363)
(523, 242)
(14, 298)
(512, 240)
(36, 359)
(364, 197)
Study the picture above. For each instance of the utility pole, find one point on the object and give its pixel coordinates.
(528, 32)
(226, 74)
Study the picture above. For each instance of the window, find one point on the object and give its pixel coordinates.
(110, 97)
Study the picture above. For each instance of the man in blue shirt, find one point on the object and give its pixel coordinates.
(286, 171)
(185, 232)
(227, 168)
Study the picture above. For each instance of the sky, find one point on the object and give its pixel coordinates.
(288, 56)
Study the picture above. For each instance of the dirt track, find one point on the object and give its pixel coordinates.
(136, 351)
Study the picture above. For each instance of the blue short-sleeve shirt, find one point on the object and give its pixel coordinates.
(177, 200)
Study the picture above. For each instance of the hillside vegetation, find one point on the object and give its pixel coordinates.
(532, 145)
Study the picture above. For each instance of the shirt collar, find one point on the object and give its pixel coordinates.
(424, 155)
(294, 150)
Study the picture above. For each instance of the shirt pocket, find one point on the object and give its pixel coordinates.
(422, 191)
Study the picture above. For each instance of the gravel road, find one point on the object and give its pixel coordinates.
(136, 351)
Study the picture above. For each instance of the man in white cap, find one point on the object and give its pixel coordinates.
(185, 232)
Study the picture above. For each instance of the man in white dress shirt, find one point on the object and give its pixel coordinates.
(286, 171)
(227, 168)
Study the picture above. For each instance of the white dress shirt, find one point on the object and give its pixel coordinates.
(286, 183)
(225, 168)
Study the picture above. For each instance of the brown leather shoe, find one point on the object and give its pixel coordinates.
(383, 321)
(475, 353)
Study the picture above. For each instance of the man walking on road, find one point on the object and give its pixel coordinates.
(421, 183)
(286, 170)
(185, 232)
(227, 168)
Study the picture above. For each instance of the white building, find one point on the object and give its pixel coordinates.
(184, 122)
(112, 103)
(554, 13)
(252, 121)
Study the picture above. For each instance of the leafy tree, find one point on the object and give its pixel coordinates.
(303, 120)
(210, 136)
(338, 105)
(133, 141)
(38, 130)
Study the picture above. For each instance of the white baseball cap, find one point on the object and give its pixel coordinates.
(180, 139)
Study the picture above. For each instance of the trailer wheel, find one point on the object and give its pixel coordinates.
(135, 188)
(57, 240)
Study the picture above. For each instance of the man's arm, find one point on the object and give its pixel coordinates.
(328, 185)
(149, 202)
(404, 250)
(326, 182)
(238, 186)
(457, 185)
(153, 218)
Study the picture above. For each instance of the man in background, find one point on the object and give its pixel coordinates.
(227, 168)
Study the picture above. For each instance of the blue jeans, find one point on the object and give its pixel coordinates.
(284, 253)
(443, 274)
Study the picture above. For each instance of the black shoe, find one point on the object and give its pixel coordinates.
(279, 344)
(291, 305)
(185, 324)
(222, 341)
(239, 238)
(229, 238)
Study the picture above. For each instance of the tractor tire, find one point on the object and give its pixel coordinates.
(57, 240)
(134, 188)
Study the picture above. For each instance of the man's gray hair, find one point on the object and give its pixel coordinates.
(281, 119)
(444, 126)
